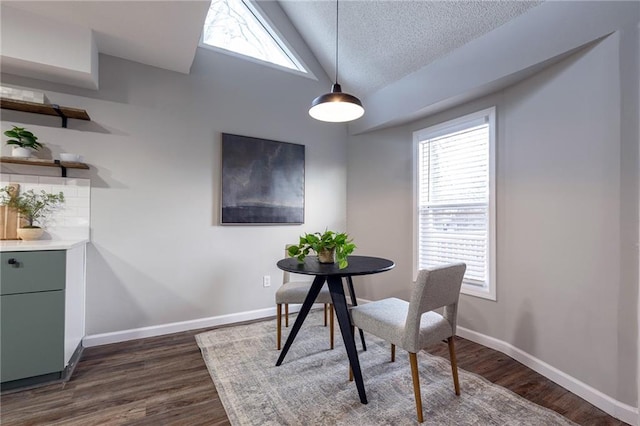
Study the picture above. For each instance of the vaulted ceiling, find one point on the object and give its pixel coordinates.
(379, 41)
(383, 41)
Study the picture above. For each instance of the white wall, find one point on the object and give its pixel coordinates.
(158, 254)
(63, 53)
(567, 218)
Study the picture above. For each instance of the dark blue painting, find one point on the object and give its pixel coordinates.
(262, 181)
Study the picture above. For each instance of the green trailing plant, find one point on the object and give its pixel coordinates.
(328, 240)
(33, 208)
(22, 138)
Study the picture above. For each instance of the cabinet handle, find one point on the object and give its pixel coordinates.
(13, 262)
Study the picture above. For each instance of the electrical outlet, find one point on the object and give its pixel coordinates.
(266, 281)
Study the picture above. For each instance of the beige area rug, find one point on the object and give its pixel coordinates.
(311, 387)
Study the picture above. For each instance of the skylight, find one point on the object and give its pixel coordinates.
(237, 26)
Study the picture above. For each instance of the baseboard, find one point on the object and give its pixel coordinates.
(617, 409)
(177, 327)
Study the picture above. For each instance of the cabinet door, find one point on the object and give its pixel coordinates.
(28, 271)
(32, 334)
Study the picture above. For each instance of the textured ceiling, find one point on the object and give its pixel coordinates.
(383, 41)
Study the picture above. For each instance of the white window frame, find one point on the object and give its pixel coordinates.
(261, 17)
(488, 290)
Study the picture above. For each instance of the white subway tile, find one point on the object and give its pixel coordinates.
(24, 179)
(78, 182)
(24, 187)
(70, 211)
(69, 191)
(84, 212)
(77, 202)
(49, 180)
(55, 189)
(76, 221)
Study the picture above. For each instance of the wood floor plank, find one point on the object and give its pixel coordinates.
(164, 381)
(117, 415)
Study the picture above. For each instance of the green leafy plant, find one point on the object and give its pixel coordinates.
(22, 138)
(328, 240)
(33, 208)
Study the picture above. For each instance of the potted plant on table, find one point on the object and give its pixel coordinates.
(330, 247)
(33, 208)
(23, 140)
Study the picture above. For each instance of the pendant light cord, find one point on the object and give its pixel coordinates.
(336, 41)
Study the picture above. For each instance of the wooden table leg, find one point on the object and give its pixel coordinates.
(316, 286)
(354, 302)
(342, 313)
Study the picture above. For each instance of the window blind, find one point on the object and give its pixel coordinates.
(453, 200)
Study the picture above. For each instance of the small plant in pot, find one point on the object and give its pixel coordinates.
(330, 246)
(23, 140)
(33, 208)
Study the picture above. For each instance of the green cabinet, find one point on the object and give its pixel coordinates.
(32, 314)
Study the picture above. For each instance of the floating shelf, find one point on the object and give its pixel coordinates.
(63, 165)
(46, 109)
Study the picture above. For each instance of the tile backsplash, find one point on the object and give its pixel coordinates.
(72, 219)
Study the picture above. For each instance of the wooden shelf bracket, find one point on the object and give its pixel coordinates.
(57, 109)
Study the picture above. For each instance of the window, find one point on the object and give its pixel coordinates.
(455, 199)
(237, 26)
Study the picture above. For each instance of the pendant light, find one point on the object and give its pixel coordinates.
(336, 106)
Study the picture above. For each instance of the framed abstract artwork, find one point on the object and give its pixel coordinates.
(262, 181)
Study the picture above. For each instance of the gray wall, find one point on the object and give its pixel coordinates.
(567, 215)
(158, 254)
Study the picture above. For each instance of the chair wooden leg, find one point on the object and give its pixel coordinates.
(278, 323)
(454, 364)
(286, 315)
(413, 360)
(325, 314)
(393, 353)
(331, 325)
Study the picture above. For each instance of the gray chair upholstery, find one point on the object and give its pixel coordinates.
(296, 292)
(413, 325)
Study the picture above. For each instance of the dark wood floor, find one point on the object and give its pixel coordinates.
(164, 381)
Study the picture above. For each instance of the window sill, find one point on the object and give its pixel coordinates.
(482, 293)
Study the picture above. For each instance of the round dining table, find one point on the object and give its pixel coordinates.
(333, 275)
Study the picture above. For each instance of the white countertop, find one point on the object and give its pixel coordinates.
(19, 245)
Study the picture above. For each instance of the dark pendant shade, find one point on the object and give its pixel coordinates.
(336, 107)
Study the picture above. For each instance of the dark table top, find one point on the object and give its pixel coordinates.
(358, 265)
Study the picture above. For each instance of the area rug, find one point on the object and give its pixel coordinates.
(312, 386)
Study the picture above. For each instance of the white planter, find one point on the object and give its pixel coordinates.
(20, 152)
(67, 156)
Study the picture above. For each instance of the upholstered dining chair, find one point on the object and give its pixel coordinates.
(413, 325)
(296, 292)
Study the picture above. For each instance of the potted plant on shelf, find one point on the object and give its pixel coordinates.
(24, 142)
(33, 208)
(330, 247)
